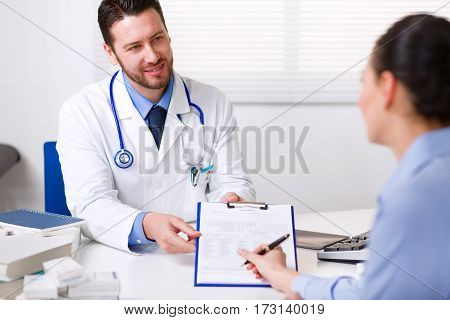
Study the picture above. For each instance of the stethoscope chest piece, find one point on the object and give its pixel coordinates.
(123, 159)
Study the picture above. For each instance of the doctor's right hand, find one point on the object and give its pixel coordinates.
(164, 229)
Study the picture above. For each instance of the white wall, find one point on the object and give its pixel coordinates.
(39, 72)
(346, 171)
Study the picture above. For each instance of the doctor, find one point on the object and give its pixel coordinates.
(140, 149)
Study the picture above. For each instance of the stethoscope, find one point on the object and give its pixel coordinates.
(124, 158)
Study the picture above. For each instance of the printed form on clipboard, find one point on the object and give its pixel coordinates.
(228, 227)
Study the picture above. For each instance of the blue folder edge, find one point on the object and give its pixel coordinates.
(196, 284)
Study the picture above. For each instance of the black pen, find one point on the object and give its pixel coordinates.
(271, 246)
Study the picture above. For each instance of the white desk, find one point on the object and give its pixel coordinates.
(163, 276)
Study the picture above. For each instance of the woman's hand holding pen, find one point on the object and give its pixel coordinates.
(271, 266)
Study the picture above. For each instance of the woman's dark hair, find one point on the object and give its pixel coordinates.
(111, 11)
(416, 50)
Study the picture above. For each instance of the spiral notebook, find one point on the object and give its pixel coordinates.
(36, 221)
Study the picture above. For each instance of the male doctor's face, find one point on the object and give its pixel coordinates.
(141, 45)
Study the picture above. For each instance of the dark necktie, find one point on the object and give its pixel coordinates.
(155, 120)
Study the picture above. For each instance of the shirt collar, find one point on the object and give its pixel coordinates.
(423, 149)
(143, 104)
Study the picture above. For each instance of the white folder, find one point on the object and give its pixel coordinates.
(228, 227)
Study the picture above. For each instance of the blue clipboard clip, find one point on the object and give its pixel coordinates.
(256, 205)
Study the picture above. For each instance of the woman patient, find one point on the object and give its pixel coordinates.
(405, 102)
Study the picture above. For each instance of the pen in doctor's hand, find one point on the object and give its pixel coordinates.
(271, 246)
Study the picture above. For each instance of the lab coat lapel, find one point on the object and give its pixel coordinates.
(174, 127)
(124, 105)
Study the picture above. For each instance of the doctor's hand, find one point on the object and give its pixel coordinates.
(271, 267)
(164, 229)
(231, 197)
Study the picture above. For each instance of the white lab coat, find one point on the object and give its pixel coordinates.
(110, 198)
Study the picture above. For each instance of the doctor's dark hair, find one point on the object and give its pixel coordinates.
(111, 11)
(416, 50)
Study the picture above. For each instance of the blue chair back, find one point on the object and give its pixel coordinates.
(55, 199)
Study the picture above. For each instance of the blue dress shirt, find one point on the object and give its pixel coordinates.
(409, 256)
(137, 239)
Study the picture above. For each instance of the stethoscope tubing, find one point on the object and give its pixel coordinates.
(119, 131)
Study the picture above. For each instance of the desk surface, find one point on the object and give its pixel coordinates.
(163, 276)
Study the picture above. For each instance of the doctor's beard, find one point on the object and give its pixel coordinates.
(157, 83)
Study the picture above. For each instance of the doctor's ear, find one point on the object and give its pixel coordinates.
(110, 53)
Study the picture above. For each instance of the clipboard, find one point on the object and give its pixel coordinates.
(226, 227)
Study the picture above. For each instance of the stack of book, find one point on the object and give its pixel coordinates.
(11, 289)
(65, 279)
(25, 254)
(98, 286)
(38, 287)
(28, 238)
(64, 272)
